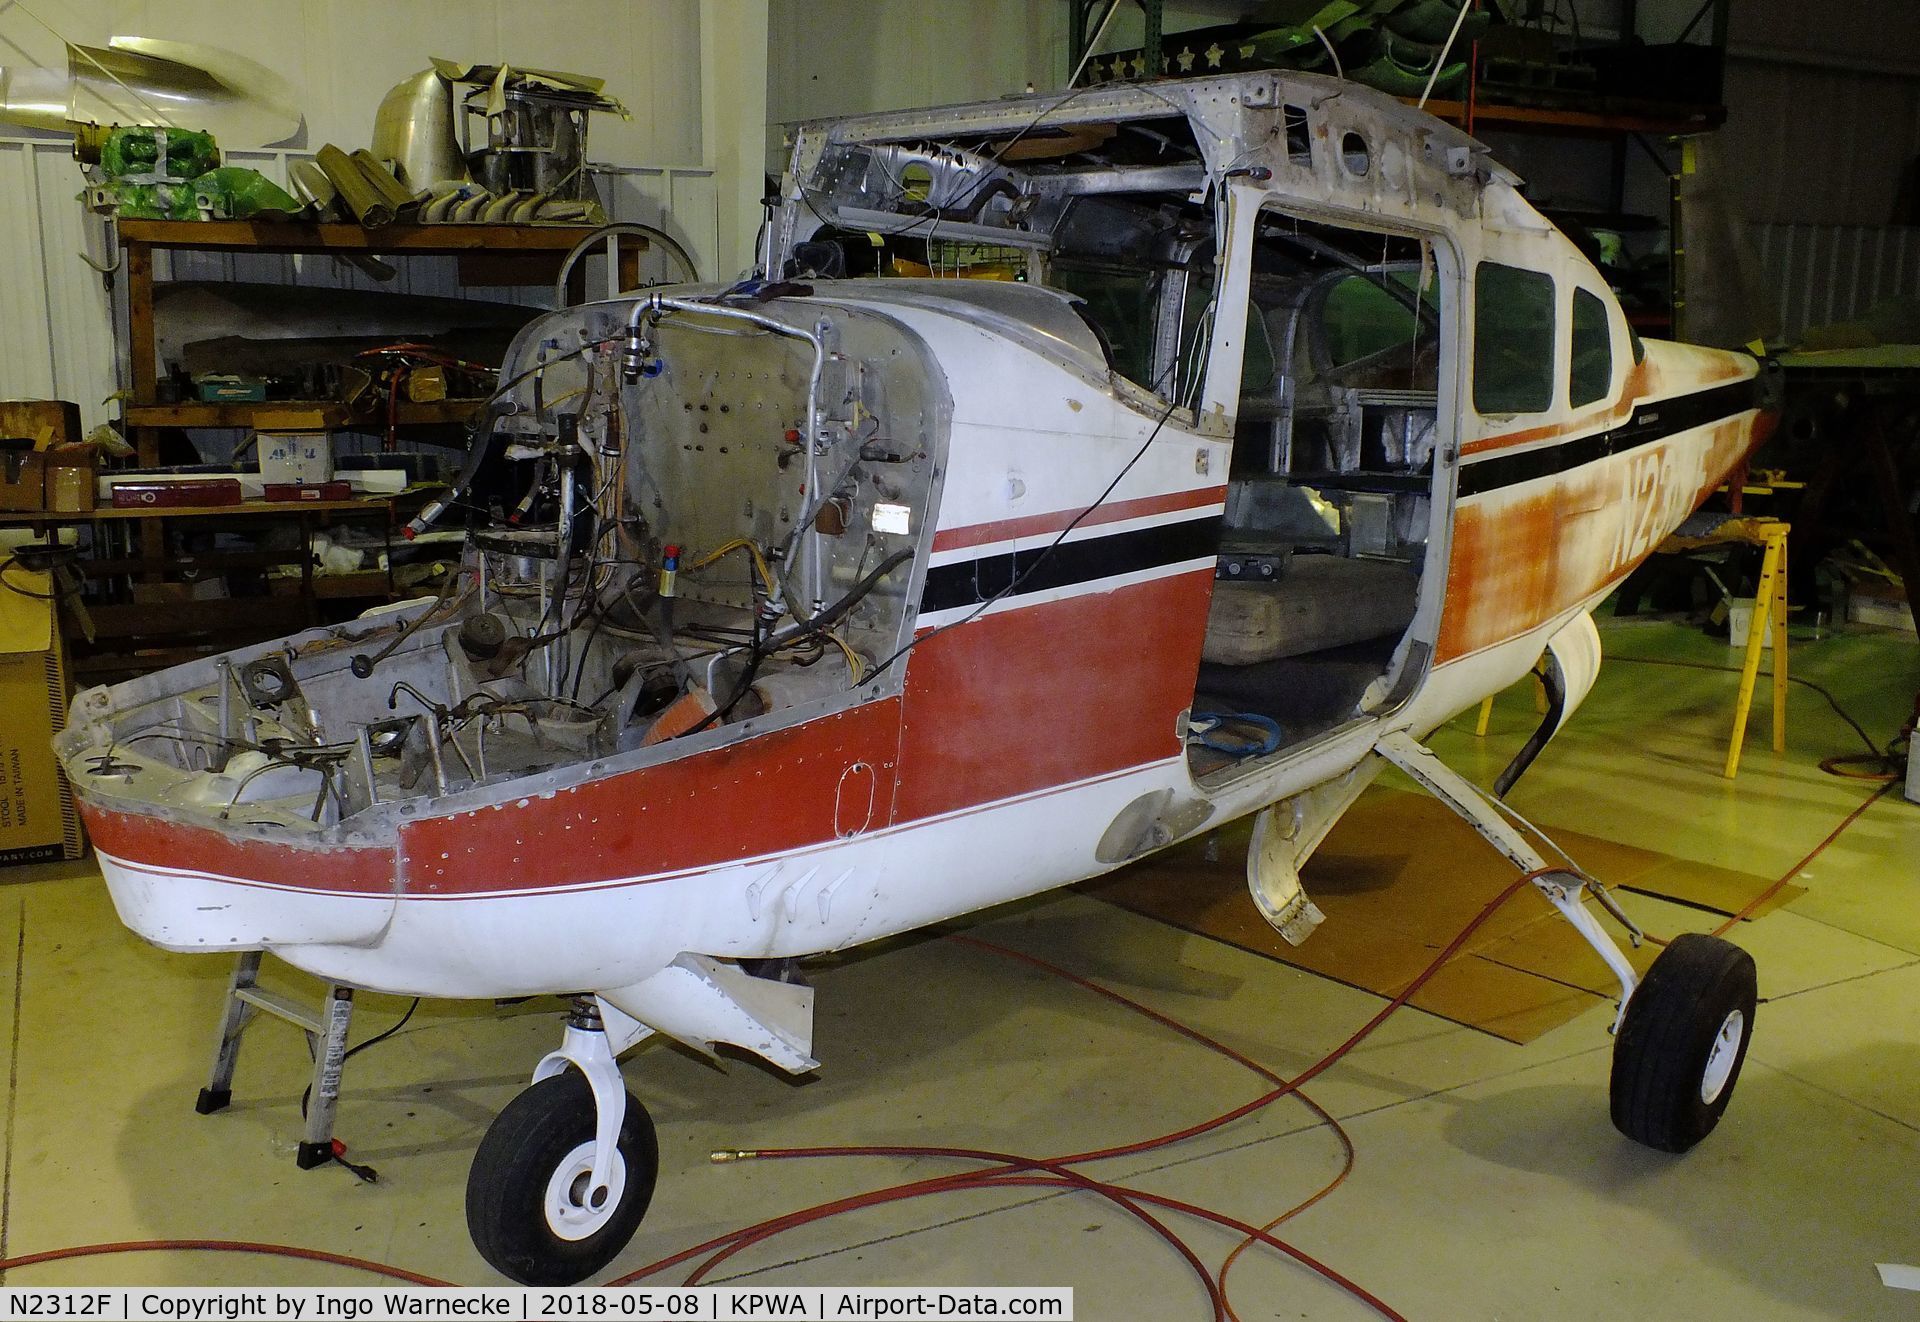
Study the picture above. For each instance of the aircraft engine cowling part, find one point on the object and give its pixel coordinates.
(355, 191)
(414, 128)
(166, 84)
(1569, 667)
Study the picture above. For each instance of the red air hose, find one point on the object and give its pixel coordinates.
(1010, 1165)
(218, 1246)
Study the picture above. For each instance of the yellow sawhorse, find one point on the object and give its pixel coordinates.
(1769, 612)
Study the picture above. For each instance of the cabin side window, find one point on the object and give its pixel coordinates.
(1144, 266)
(1590, 374)
(1513, 335)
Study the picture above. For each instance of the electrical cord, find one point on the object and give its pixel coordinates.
(217, 1246)
(366, 1173)
(1009, 1166)
(1895, 765)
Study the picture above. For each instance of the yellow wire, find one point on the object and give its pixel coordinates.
(766, 576)
(853, 657)
(740, 544)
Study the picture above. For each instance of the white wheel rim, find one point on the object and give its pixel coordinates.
(571, 1211)
(1720, 1060)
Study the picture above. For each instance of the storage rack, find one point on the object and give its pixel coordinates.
(136, 636)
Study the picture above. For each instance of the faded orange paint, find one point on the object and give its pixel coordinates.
(1049, 694)
(1519, 561)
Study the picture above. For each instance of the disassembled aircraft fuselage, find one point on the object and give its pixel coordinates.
(851, 604)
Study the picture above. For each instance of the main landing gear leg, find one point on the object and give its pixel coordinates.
(1681, 1034)
(564, 1175)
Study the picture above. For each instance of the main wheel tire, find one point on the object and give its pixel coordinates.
(1685, 1037)
(526, 1190)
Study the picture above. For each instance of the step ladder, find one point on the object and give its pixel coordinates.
(326, 1032)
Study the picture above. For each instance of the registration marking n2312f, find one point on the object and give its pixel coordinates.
(1659, 486)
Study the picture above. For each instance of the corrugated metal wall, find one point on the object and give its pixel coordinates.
(57, 336)
(1816, 275)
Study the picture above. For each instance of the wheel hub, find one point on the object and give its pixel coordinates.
(1721, 1057)
(576, 1210)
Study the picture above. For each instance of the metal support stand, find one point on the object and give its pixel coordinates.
(326, 1037)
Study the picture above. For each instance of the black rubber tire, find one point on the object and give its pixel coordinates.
(507, 1183)
(1660, 1056)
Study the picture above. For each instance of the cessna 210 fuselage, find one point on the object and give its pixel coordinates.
(847, 601)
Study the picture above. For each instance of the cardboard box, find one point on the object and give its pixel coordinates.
(70, 479)
(44, 421)
(37, 818)
(170, 594)
(23, 475)
(294, 458)
(308, 419)
(1879, 603)
(298, 491)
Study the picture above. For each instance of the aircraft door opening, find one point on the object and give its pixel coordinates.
(1330, 489)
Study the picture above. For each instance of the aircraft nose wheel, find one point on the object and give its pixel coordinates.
(531, 1207)
(1682, 1043)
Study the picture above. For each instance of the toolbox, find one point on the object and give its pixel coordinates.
(162, 494)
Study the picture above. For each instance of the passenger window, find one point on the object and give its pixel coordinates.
(1513, 359)
(1591, 377)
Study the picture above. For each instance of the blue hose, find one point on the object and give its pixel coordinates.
(1205, 727)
